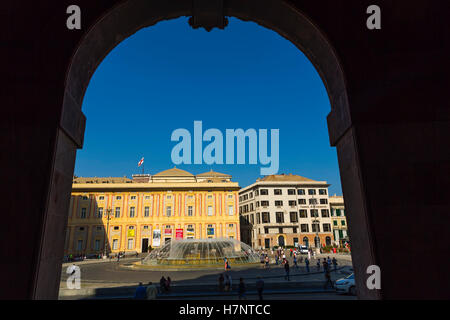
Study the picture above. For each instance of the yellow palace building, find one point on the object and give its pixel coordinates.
(110, 215)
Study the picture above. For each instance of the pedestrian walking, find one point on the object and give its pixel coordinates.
(162, 284)
(328, 279)
(325, 265)
(260, 287)
(307, 264)
(267, 262)
(286, 269)
(221, 282)
(241, 290)
(295, 262)
(334, 261)
(329, 261)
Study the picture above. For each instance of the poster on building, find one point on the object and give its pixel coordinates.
(130, 232)
(167, 232)
(179, 234)
(156, 238)
(210, 231)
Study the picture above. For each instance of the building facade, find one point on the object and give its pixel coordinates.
(285, 210)
(339, 221)
(130, 215)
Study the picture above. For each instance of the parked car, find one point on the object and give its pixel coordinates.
(303, 249)
(346, 285)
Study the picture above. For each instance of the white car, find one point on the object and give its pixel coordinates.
(346, 285)
(303, 249)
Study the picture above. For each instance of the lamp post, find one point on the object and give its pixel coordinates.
(108, 213)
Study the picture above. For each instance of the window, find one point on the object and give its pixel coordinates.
(257, 204)
(301, 201)
(83, 213)
(85, 198)
(230, 196)
(115, 244)
(210, 210)
(314, 213)
(335, 223)
(80, 245)
(145, 227)
(292, 203)
(323, 201)
(130, 244)
(304, 228)
(133, 197)
(279, 217)
(291, 191)
(266, 230)
(81, 229)
(252, 220)
(146, 211)
(190, 211)
(258, 218)
(338, 212)
(322, 191)
(277, 192)
(343, 222)
(119, 198)
(312, 201)
(101, 198)
(256, 193)
(231, 210)
(117, 215)
(341, 234)
(301, 192)
(303, 213)
(116, 228)
(315, 227)
(293, 217)
(326, 227)
(168, 211)
(97, 245)
(294, 230)
(147, 198)
(251, 206)
(132, 212)
(251, 195)
(264, 192)
(99, 228)
(325, 213)
(311, 192)
(278, 203)
(264, 203)
(265, 217)
(168, 197)
(100, 212)
(210, 197)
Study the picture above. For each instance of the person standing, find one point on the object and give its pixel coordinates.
(141, 292)
(267, 262)
(318, 264)
(307, 264)
(260, 287)
(286, 269)
(325, 265)
(241, 290)
(295, 262)
(162, 284)
(151, 291)
(329, 261)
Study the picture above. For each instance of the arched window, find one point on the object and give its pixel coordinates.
(306, 241)
(328, 241)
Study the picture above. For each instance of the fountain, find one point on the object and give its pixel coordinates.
(190, 253)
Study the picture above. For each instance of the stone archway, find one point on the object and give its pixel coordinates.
(128, 17)
(133, 15)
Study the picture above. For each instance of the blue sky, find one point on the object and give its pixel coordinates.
(167, 76)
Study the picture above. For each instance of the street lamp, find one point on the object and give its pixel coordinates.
(108, 213)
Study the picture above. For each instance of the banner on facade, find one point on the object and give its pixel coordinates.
(130, 233)
(156, 238)
(210, 231)
(179, 234)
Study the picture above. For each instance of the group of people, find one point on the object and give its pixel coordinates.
(148, 292)
(164, 284)
(225, 282)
